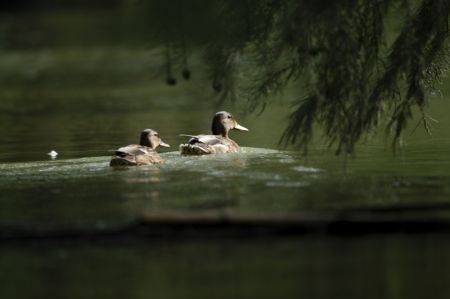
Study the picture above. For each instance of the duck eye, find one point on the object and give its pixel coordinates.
(229, 116)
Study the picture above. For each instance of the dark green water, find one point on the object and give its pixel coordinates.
(62, 88)
(392, 266)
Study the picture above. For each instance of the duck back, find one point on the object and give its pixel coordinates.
(208, 144)
(135, 155)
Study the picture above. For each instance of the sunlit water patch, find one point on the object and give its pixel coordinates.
(89, 188)
(251, 165)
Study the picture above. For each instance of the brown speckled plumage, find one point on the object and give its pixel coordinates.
(217, 143)
(143, 153)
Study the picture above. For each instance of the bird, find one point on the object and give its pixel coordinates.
(143, 153)
(218, 142)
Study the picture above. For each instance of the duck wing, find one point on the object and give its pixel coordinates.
(133, 150)
(206, 139)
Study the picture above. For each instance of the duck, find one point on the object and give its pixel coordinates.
(143, 153)
(218, 142)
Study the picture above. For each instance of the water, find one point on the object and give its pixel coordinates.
(383, 267)
(87, 190)
(84, 96)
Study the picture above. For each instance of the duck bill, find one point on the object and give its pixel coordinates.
(163, 144)
(240, 128)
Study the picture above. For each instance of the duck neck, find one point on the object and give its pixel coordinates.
(145, 141)
(219, 129)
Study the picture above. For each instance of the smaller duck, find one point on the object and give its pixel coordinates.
(143, 153)
(219, 142)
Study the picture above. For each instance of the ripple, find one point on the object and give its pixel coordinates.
(307, 169)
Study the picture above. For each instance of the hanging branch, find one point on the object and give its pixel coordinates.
(170, 79)
(349, 80)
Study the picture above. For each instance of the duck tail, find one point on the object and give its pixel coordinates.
(188, 135)
(194, 149)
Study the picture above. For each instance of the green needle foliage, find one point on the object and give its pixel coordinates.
(356, 70)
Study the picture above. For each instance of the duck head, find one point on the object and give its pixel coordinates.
(151, 139)
(223, 122)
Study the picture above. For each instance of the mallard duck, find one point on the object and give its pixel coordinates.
(219, 142)
(143, 153)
